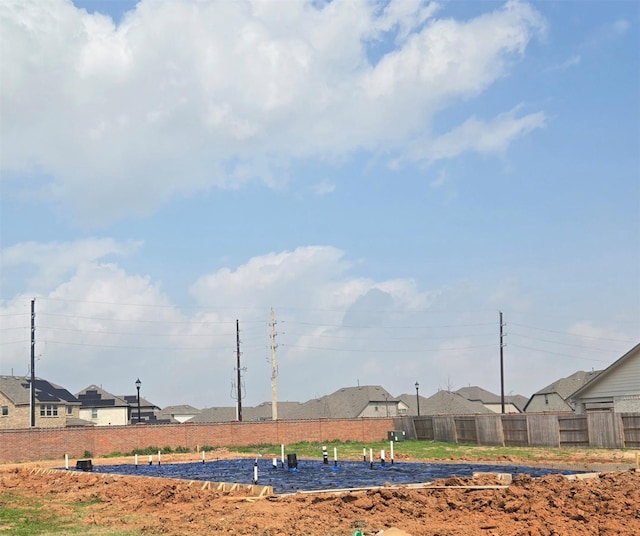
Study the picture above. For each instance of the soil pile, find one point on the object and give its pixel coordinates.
(608, 504)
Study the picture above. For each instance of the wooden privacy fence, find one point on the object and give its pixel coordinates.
(597, 429)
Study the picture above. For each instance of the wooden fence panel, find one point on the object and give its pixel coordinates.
(595, 429)
(631, 429)
(489, 430)
(424, 428)
(543, 430)
(573, 430)
(466, 429)
(515, 430)
(605, 430)
(444, 429)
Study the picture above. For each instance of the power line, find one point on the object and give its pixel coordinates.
(557, 353)
(571, 334)
(418, 350)
(352, 326)
(563, 343)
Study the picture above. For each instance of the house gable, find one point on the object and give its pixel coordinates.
(617, 387)
(102, 408)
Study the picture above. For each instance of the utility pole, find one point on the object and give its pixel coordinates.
(501, 364)
(33, 363)
(274, 369)
(239, 371)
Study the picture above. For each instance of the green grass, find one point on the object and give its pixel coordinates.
(412, 449)
(24, 516)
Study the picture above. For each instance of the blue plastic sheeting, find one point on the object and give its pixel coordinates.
(315, 475)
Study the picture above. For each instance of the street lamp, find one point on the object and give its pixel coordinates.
(138, 384)
(418, 397)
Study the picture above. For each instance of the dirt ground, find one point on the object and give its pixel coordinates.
(606, 504)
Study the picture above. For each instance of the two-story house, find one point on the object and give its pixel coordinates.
(54, 405)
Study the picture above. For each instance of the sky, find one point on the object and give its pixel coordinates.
(360, 187)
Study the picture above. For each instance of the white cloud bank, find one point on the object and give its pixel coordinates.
(182, 96)
(101, 325)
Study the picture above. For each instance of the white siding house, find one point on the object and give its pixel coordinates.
(102, 408)
(616, 388)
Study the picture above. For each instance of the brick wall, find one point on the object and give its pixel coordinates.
(43, 444)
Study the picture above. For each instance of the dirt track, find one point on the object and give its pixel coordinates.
(606, 505)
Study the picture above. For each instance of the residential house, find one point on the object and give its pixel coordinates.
(355, 402)
(181, 413)
(105, 409)
(102, 408)
(616, 388)
(492, 401)
(345, 403)
(142, 411)
(54, 406)
(451, 403)
(556, 396)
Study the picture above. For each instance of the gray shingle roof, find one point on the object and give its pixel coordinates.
(17, 389)
(345, 403)
(447, 403)
(569, 385)
(478, 394)
(348, 402)
(183, 409)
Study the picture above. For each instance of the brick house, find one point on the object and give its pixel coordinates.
(55, 407)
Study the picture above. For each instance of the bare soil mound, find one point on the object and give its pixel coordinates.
(554, 505)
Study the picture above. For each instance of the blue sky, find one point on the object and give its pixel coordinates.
(386, 177)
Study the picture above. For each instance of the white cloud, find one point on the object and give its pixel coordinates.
(181, 97)
(324, 187)
(483, 137)
(572, 61)
(335, 328)
(54, 261)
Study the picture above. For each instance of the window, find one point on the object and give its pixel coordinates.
(94, 413)
(48, 410)
(69, 410)
(5, 411)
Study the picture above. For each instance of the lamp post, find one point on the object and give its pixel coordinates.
(138, 384)
(418, 397)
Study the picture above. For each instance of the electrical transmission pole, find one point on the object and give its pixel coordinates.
(501, 364)
(33, 363)
(274, 369)
(239, 371)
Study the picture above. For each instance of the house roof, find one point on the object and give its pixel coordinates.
(448, 403)
(132, 400)
(219, 414)
(17, 389)
(345, 403)
(478, 394)
(567, 386)
(96, 397)
(580, 390)
(519, 401)
(184, 409)
(74, 421)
